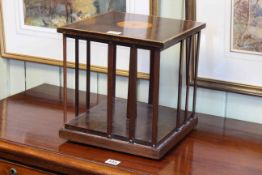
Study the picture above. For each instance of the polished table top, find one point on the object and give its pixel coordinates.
(126, 27)
(216, 146)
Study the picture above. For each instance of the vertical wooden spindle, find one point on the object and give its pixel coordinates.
(111, 86)
(151, 81)
(76, 76)
(155, 100)
(65, 76)
(188, 61)
(132, 94)
(180, 79)
(88, 69)
(114, 69)
(196, 72)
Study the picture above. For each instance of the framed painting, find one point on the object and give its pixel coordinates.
(28, 30)
(231, 45)
(246, 33)
(56, 13)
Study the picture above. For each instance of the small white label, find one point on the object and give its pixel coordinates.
(112, 162)
(114, 32)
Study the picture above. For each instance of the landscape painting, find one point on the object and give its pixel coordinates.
(56, 13)
(247, 26)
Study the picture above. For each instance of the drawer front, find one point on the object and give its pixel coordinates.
(8, 168)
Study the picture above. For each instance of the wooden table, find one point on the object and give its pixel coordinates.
(30, 121)
(126, 125)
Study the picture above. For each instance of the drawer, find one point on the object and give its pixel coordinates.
(8, 168)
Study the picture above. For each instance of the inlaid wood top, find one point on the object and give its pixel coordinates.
(133, 28)
(30, 121)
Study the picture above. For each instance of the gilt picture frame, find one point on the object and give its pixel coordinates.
(235, 85)
(34, 31)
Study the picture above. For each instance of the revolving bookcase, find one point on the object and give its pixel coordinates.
(126, 125)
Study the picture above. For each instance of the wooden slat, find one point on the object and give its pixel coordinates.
(114, 71)
(196, 72)
(88, 69)
(180, 79)
(132, 93)
(111, 86)
(188, 62)
(65, 76)
(155, 101)
(76, 77)
(151, 80)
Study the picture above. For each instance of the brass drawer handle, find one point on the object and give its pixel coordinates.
(12, 171)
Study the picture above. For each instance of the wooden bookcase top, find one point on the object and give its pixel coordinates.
(148, 31)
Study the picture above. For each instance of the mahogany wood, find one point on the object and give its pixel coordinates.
(180, 81)
(88, 69)
(188, 63)
(94, 121)
(65, 77)
(155, 98)
(114, 71)
(30, 121)
(8, 168)
(111, 86)
(92, 124)
(77, 76)
(163, 33)
(132, 94)
(151, 79)
(196, 71)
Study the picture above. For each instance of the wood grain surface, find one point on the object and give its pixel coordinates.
(30, 121)
(148, 31)
(9, 168)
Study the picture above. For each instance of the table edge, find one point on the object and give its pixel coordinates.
(50, 160)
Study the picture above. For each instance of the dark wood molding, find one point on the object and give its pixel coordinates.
(60, 163)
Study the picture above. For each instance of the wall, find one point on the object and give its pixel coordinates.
(4, 77)
(16, 76)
